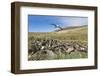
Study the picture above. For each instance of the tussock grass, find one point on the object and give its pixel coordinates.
(78, 35)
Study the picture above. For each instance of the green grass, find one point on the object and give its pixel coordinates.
(80, 34)
(71, 35)
(73, 55)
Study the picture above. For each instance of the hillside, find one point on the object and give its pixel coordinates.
(79, 33)
(71, 27)
(73, 36)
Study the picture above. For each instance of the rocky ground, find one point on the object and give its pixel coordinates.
(49, 49)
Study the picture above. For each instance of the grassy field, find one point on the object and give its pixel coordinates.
(77, 35)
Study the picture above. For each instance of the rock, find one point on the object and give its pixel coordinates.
(70, 49)
(44, 55)
(46, 49)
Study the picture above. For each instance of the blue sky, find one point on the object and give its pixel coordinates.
(41, 23)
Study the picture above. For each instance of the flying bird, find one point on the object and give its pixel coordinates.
(57, 26)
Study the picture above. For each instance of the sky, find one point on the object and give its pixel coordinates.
(42, 23)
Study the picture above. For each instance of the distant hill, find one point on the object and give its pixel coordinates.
(71, 27)
(71, 33)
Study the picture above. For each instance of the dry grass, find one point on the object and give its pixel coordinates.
(78, 35)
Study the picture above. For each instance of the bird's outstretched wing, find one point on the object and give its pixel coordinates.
(54, 25)
(57, 26)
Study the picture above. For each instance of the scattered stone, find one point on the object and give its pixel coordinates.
(49, 49)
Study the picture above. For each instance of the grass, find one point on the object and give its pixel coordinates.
(78, 35)
(73, 55)
(68, 35)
